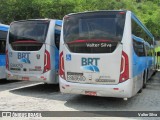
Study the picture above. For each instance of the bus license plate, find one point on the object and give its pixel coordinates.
(91, 93)
(25, 78)
(75, 76)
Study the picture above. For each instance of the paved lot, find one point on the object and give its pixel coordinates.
(34, 96)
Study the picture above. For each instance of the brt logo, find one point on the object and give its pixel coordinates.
(24, 57)
(90, 61)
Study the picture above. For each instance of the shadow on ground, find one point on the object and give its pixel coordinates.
(4, 81)
(37, 89)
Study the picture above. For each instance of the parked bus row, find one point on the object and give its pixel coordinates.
(98, 53)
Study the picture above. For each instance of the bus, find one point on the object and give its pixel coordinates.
(157, 53)
(105, 53)
(3, 37)
(33, 50)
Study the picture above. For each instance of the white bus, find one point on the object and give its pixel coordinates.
(3, 37)
(105, 53)
(33, 50)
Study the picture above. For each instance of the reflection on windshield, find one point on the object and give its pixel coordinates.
(102, 26)
(28, 30)
(93, 32)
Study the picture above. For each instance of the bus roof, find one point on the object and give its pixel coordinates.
(97, 11)
(35, 20)
(4, 27)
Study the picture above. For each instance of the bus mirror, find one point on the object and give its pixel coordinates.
(158, 53)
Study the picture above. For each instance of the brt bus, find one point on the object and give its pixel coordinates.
(33, 50)
(3, 37)
(105, 53)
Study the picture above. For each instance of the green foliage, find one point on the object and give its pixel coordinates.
(146, 10)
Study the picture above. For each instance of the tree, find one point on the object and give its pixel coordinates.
(146, 10)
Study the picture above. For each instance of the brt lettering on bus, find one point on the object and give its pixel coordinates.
(23, 55)
(90, 61)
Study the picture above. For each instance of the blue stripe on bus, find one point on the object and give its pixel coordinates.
(59, 22)
(2, 60)
(141, 63)
(56, 58)
(4, 28)
(138, 39)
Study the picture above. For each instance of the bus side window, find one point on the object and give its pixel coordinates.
(138, 31)
(150, 52)
(139, 48)
(2, 46)
(57, 40)
(3, 35)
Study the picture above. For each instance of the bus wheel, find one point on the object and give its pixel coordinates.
(144, 85)
(140, 90)
(145, 79)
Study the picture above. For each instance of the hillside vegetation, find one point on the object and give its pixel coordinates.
(146, 10)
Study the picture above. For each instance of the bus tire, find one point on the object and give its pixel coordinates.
(145, 75)
(45, 83)
(140, 90)
(143, 83)
(154, 73)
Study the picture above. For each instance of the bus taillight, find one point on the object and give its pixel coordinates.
(7, 60)
(124, 72)
(47, 64)
(61, 66)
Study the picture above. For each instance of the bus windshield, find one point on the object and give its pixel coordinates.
(93, 27)
(34, 30)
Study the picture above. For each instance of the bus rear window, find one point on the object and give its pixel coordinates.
(26, 32)
(93, 32)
